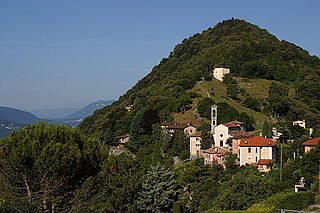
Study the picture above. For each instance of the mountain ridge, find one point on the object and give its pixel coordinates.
(249, 51)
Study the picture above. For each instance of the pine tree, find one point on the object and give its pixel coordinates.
(158, 191)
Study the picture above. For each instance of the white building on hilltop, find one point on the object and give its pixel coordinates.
(220, 72)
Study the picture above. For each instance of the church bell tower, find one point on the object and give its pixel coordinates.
(214, 118)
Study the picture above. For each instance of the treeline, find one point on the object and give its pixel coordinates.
(47, 168)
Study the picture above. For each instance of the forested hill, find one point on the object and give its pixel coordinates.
(249, 52)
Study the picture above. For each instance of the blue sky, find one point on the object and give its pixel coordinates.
(69, 53)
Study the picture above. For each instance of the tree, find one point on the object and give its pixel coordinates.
(206, 141)
(204, 107)
(158, 191)
(136, 129)
(42, 167)
(266, 130)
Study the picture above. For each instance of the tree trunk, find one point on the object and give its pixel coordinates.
(53, 207)
(27, 185)
(45, 200)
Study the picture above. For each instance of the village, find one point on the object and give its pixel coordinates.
(230, 137)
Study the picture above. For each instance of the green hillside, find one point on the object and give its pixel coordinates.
(249, 51)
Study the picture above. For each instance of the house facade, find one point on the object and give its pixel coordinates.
(195, 145)
(255, 149)
(214, 155)
(185, 128)
(220, 72)
(310, 144)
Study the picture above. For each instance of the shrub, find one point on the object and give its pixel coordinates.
(287, 200)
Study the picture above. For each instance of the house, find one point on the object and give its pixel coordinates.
(257, 148)
(128, 108)
(166, 124)
(264, 165)
(310, 144)
(236, 139)
(220, 72)
(123, 139)
(195, 145)
(185, 128)
(214, 155)
(300, 123)
(224, 131)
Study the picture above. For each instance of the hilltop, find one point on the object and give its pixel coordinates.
(249, 51)
(17, 116)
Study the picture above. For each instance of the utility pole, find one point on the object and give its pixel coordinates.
(280, 163)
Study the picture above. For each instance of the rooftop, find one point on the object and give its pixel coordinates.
(123, 136)
(312, 142)
(257, 141)
(233, 124)
(197, 134)
(240, 135)
(216, 150)
(265, 162)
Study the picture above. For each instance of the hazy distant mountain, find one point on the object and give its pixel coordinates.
(8, 126)
(54, 113)
(17, 116)
(89, 109)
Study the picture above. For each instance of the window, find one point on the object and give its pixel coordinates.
(197, 139)
(256, 159)
(221, 135)
(256, 150)
(221, 143)
(249, 150)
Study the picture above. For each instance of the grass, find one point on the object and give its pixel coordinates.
(258, 87)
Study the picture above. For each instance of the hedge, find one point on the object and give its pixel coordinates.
(289, 200)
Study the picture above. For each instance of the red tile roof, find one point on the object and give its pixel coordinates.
(178, 126)
(239, 135)
(233, 124)
(197, 134)
(216, 150)
(257, 141)
(254, 164)
(265, 162)
(123, 136)
(312, 142)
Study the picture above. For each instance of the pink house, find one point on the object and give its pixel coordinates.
(214, 155)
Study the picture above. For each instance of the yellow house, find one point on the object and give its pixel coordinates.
(195, 145)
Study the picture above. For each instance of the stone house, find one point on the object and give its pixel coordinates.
(310, 144)
(257, 148)
(220, 72)
(195, 145)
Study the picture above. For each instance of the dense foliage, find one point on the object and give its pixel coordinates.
(43, 166)
(58, 168)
